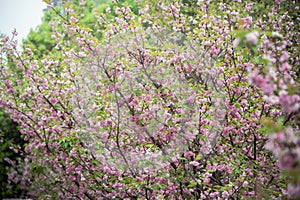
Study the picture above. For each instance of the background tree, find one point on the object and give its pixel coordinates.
(10, 148)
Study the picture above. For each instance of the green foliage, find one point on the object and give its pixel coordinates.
(39, 39)
(9, 137)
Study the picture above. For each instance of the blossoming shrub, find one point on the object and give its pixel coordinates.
(180, 100)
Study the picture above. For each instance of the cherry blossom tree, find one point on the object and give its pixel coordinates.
(173, 100)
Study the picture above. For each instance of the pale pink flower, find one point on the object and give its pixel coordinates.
(252, 37)
(257, 80)
(118, 10)
(194, 163)
(206, 180)
(268, 88)
(236, 42)
(73, 19)
(189, 154)
(285, 67)
(289, 103)
(248, 20)
(272, 99)
(107, 10)
(214, 50)
(225, 194)
(287, 161)
(294, 189)
(284, 57)
(277, 2)
(277, 35)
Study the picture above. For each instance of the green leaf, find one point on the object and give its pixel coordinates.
(237, 105)
(192, 184)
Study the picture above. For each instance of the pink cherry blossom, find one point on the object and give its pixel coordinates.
(252, 37)
(290, 103)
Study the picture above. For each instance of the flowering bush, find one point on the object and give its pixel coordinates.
(160, 100)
